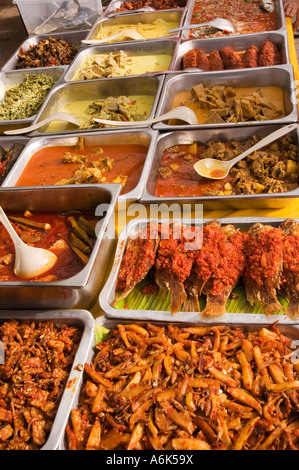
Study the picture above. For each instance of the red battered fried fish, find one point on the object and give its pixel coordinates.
(138, 259)
(227, 273)
(264, 266)
(173, 266)
(290, 276)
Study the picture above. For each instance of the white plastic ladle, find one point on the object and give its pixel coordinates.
(59, 116)
(128, 33)
(217, 169)
(29, 261)
(183, 113)
(218, 23)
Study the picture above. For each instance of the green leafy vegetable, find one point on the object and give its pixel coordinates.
(100, 333)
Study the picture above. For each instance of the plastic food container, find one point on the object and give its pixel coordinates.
(47, 16)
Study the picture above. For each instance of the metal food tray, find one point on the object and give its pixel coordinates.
(114, 4)
(107, 295)
(155, 46)
(144, 136)
(280, 19)
(237, 43)
(85, 321)
(97, 89)
(134, 18)
(237, 201)
(246, 322)
(15, 77)
(81, 290)
(280, 76)
(74, 38)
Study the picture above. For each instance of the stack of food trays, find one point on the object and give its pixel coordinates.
(144, 310)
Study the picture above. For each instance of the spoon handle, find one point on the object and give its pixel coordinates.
(170, 115)
(187, 26)
(54, 117)
(7, 225)
(262, 143)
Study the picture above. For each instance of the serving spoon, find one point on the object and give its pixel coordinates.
(128, 33)
(29, 261)
(216, 169)
(183, 113)
(59, 116)
(218, 23)
(129, 12)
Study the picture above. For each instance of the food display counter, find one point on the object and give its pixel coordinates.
(170, 319)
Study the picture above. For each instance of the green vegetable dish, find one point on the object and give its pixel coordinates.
(24, 100)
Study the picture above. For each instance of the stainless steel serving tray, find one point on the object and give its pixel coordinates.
(246, 322)
(145, 137)
(280, 76)
(97, 89)
(78, 291)
(280, 19)
(15, 77)
(114, 4)
(237, 43)
(73, 37)
(238, 201)
(134, 18)
(155, 46)
(107, 295)
(82, 319)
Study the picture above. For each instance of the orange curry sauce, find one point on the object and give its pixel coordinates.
(47, 168)
(246, 15)
(67, 264)
(184, 181)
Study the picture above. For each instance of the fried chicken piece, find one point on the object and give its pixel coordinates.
(264, 266)
(268, 55)
(290, 277)
(202, 60)
(189, 59)
(231, 60)
(215, 61)
(250, 58)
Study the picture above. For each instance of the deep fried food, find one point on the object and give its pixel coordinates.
(268, 54)
(38, 359)
(231, 60)
(186, 388)
(250, 57)
(202, 61)
(215, 60)
(190, 59)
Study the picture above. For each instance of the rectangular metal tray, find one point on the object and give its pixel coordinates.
(280, 19)
(238, 201)
(73, 37)
(107, 294)
(281, 76)
(155, 46)
(15, 77)
(96, 89)
(291, 330)
(78, 291)
(85, 321)
(133, 18)
(144, 136)
(114, 4)
(237, 43)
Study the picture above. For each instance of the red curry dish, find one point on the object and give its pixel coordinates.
(85, 164)
(64, 234)
(246, 15)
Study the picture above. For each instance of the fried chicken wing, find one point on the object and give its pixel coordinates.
(264, 265)
(290, 276)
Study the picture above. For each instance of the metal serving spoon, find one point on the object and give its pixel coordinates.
(129, 33)
(183, 113)
(59, 116)
(218, 23)
(29, 261)
(129, 12)
(217, 169)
